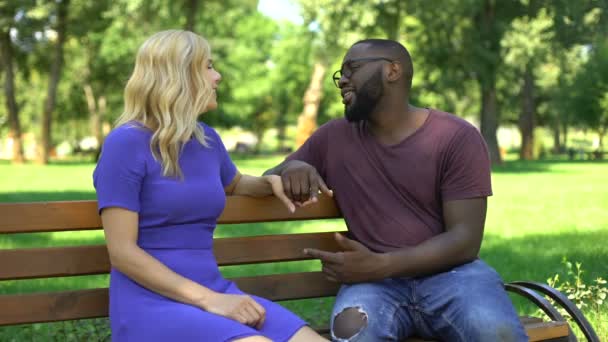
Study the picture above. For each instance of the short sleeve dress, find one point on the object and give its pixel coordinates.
(176, 223)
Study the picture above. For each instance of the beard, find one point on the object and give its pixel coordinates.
(365, 99)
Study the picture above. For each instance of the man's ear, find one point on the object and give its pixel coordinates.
(395, 72)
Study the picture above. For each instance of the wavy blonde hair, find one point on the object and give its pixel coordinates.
(167, 92)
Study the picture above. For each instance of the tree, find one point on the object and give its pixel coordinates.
(335, 25)
(7, 15)
(526, 46)
(577, 25)
(291, 59)
(589, 91)
(61, 18)
(464, 38)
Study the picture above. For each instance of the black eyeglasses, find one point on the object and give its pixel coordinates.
(348, 73)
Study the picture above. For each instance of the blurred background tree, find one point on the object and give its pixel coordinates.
(526, 66)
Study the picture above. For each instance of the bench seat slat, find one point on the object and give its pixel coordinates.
(58, 306)
(86, 260)
(92, 303)
(82, 215)
(52, 307)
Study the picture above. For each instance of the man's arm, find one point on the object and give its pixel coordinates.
(459, 244)
(464, 223)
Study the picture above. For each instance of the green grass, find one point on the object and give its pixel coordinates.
(540, 213)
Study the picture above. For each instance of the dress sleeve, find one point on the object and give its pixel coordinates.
(467, 172)
(120, 170)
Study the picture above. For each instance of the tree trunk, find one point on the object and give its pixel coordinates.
(49, 103)
(6, 55)
(191, 11)
(488, 58)
(526, 118)
(489, 120)
(557, 143)
(96, 111)
(564, 126)
(281, 124)
(307, 121)
(393, 21)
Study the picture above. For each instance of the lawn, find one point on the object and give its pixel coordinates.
(541, 213)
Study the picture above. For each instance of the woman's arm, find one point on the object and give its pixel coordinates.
(121, 229)
(247, 185)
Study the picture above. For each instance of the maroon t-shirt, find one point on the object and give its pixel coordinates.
(392, 196)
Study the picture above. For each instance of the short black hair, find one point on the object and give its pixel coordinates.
(394, 50)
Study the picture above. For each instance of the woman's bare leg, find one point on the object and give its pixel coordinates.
(306, 334)
(253, 339)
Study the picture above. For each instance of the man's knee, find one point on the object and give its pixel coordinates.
(349, 323)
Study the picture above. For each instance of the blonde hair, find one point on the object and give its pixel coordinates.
(167, 91)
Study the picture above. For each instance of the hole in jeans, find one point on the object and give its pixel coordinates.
(348, 323)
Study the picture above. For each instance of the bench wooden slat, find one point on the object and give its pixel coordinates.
(243, 209)
(52, 307)
(59, 306)
(541, 331)
(301, 286)
(86, 260)
(53, 262)
(83, 260)
(92, 303)
(537, 330)
(48, 216)
(270, 248)
(82, 215)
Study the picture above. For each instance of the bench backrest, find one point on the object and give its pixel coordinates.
(88, 260)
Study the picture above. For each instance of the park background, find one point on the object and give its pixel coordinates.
(532, 75)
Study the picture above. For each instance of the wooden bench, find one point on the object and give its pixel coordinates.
(50, 262)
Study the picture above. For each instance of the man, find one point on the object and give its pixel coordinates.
(412, 185)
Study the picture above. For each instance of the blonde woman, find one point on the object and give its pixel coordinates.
(161, 184)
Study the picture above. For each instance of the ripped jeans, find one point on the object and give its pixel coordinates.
(466, 303)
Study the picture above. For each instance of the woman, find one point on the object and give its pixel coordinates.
(161, 184)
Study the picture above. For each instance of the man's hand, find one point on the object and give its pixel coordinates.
(355, 264)
(301, 183)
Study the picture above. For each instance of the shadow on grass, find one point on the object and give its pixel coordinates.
(539, 166)
(537, 257)
(41, 196)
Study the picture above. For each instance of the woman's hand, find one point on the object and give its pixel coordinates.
(241, 308)
(277, 189)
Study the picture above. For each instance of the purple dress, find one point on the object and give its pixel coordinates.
(176, 223)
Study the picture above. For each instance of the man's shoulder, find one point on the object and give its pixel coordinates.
(333, 128)
(454, 131)
(337, 123)
(450, 121)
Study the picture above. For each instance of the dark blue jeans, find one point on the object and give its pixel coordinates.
(467, 303)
